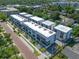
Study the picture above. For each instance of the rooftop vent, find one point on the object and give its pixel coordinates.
(40, 26)
(45, 28)
(50, 32)
(36, 24)
(32, 23)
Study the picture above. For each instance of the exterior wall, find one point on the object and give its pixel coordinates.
(68, 36)
(65, 36)
(49, 27)
(57, 34)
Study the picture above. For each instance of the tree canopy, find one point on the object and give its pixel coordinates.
(75, 31)
(3, 17)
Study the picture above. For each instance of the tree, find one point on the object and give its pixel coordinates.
(55, 16)
(54, 8)
(76, 17)
(69, 9)
(1, 29)
(3, 17)
(75, 31)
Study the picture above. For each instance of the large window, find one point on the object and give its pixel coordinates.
(38, 37)
(61, 34)
(45, 42)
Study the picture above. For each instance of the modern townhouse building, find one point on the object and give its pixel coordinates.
(26, 15)
(9, 10)
(48, 24)
(44, 36)
(65, 3)
(63, 33)
(17, 20)
(37, 19)
(44, 32)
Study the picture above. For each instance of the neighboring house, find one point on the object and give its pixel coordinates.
(65, 3)
(48, 24)
(9, 10)
(66, 20)
(2, 8)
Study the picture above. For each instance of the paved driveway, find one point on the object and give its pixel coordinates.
(27, 54)
(70, 53)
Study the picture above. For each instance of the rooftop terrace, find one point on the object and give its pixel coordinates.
(63, 28)
(48, 23)
(36, 18)
(18, 17)
(23, 13)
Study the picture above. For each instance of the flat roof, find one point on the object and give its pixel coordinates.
(18, 17)
(36, 18)
(9, 9)
(23, 13)
(28, 15)
(63, 28)
(42, 30)
(48, 23)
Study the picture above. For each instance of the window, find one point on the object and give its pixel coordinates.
(38, 38)
(33, 35)
(45, 43)
(61, 34)
(46, 26)
(29, 32)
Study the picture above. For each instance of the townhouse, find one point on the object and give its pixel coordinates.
(26, 15)
(63, 33)
(37, 20)
(48, 24)
(17, 20)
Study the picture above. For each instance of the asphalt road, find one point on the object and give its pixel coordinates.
(25, 51)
